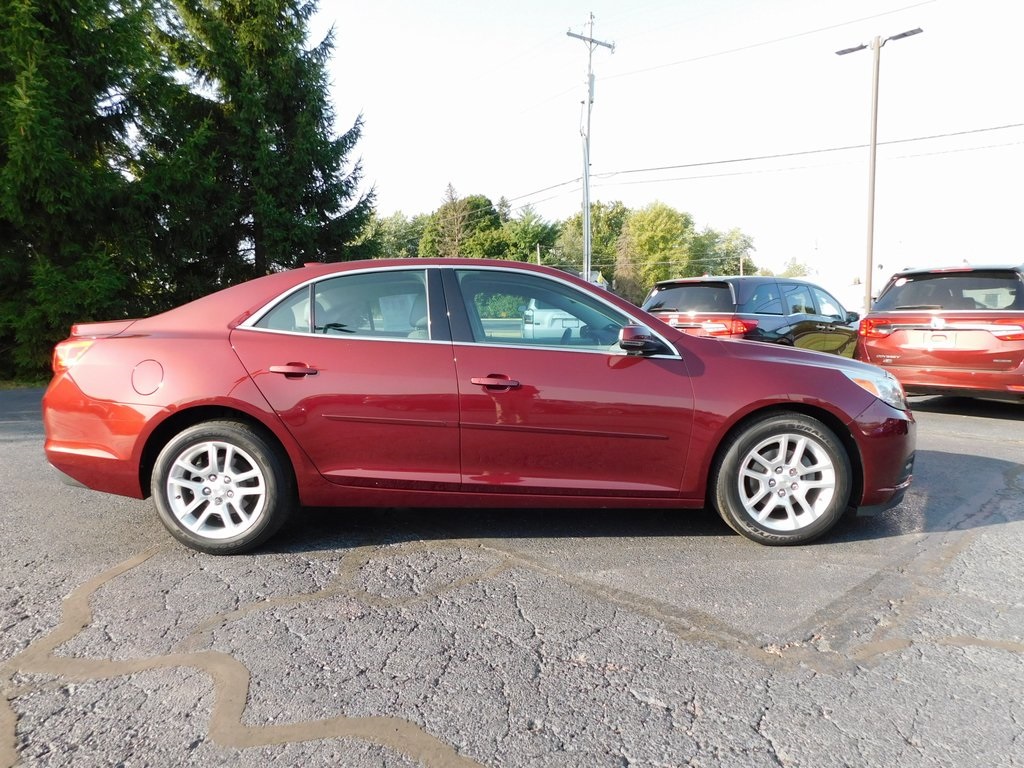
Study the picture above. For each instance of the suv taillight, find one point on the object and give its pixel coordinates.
(1014, 330)
(733, 327)
(874, 329)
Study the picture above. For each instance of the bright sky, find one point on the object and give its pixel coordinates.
(488, 96)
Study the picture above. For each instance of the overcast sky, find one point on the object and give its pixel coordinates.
(487, 96)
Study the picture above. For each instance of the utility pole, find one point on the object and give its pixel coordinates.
(585, 131)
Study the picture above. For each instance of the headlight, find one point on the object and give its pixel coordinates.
(882, 385)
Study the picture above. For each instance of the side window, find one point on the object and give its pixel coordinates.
(377, 304)
(290, 314)
(531, 310)
(765, 300)
(827, 305)
(797, 299)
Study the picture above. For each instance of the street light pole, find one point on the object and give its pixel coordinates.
(876, 49)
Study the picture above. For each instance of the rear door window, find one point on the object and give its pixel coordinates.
(797, 299)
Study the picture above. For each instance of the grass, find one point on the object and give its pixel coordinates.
(23, 383)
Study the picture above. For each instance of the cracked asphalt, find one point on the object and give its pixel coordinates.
(403, 638)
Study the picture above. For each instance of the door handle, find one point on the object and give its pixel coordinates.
(293, 370)
(494, 382)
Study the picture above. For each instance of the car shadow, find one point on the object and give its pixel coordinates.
(1012, 410)
(938, 502)
(328, 528)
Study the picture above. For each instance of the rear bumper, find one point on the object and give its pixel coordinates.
(937, 381)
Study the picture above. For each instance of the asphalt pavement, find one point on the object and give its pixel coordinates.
(399, 638)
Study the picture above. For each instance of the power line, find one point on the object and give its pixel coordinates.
(764, 43)
(776, 156)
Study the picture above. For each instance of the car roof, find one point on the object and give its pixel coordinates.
(749, 279)
(1019, 268)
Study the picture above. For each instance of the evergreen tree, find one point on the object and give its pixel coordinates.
(70, 71)
(259, 118)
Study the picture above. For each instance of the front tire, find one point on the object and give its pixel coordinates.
(222, 488)
(784, 479)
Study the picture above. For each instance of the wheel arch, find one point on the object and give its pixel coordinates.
(829, 419)
(189, 417)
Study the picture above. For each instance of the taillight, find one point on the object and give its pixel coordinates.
(733, 327)
(69, 352)
(1014, 330)
(874, 329)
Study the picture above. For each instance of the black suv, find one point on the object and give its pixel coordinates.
(779, 310)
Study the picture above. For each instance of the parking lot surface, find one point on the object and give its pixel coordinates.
(521, 638)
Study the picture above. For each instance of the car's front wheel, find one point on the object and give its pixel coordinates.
(222, 488)
(783, 479)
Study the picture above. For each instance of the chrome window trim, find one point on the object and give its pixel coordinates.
(250, 322)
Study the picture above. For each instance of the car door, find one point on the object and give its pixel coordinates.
(364, 383)
(803, 327)
(567, 415)
(838, 335)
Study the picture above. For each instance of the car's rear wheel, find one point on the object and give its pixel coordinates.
(221, 487)
(783, 479)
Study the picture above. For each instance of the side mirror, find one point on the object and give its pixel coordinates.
(852, 317)
(640, 340)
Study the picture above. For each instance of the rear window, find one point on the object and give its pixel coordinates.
(991, 289)
(693, 297)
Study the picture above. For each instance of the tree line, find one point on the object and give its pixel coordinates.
(154, 151)
(630, 248)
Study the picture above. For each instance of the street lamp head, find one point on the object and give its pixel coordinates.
(845, 51)
(908, 33)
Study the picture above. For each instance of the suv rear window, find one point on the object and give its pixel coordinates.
(989, 289)
(693, 297)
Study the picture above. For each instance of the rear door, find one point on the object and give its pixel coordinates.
(803, 326)
(361, 378)
(837, 336)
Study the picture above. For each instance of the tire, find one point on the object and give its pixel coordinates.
(222, 488)
(784, 479)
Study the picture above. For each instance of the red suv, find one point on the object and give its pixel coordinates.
(953, 331)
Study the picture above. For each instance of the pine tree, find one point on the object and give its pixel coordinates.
(68, 73)
(261, 106)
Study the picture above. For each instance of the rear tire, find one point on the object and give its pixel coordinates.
(222, 488)
(783, 479)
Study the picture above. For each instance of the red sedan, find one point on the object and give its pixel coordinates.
(412, 383)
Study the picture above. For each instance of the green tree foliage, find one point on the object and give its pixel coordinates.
(154, 150)
(715, 253)
(654, 245)
(468, 227)
(395, 237)
(794, 268)
(264, 117)
(70, 73)
(606, 223)
(526, 232)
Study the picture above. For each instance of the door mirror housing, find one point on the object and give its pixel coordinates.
(640, 340)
